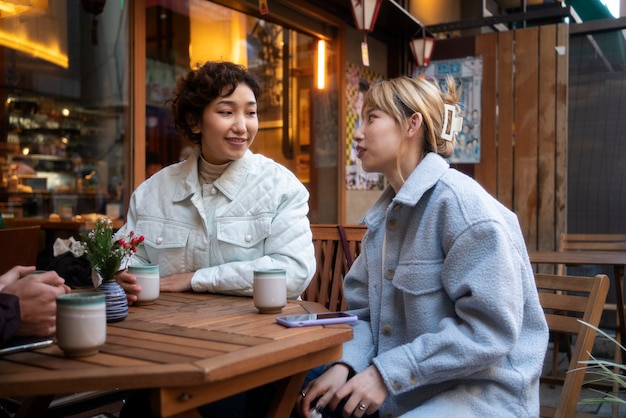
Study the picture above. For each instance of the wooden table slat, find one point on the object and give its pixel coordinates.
(209, 344)
(139, 338)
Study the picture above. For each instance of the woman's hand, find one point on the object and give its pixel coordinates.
(129, 284)
(37, 294)
(363, 394)
(174, 283)
(177, 283)
(320, 391)
(14, 274)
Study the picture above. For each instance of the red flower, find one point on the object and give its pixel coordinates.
(105, 253)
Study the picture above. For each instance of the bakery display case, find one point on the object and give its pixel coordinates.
(57, 152)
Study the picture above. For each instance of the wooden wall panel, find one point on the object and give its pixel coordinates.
(546, 139)
(524, 127)
(562, 81)
(505, 118)
(525, 132)
(485, 173)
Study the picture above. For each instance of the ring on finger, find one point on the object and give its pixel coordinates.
(362, 407)
(303, 394)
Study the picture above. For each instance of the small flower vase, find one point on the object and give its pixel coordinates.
(115, 300)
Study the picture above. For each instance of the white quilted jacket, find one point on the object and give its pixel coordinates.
(253, 217)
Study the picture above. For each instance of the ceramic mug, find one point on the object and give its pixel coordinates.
(81, 323)
(66, 213)
(149, 279)
(269, 290)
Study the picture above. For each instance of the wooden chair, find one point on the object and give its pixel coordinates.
(565, 300)
(326, 287)
(18, 246)
(592, 242)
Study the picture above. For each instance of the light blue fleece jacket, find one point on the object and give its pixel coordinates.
(253, 217)
(448, 307)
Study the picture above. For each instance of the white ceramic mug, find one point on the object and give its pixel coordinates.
(81, 323)
(66, 213)
(269, 290)
(149, 279)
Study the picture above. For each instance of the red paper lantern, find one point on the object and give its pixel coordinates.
(365, 13)
(422, 49)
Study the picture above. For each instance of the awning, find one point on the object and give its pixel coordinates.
(590, 10)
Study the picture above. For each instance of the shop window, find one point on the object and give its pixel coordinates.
(183, 35)
(63, 124)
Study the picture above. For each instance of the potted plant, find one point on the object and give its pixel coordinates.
(605, 371)
(106, 255)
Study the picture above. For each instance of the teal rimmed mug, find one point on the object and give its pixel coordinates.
(81, 325)
(148, 278)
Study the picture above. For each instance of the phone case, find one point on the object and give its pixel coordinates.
(311, 319)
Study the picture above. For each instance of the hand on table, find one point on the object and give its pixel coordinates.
(177, 283)
(14, 274)
(37, 294)
(129, 284)
(174, 283)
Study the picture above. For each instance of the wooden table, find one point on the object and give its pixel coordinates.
(190, 349)
(616, 259)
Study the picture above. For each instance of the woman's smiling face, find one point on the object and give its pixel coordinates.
(228, 126)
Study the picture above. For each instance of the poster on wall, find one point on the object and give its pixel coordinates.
(468, 73)
(358, 81)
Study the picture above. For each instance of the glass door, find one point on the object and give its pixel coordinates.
(181, 35)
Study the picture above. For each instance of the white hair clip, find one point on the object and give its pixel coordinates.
(452, 123)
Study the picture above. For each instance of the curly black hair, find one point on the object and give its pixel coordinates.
(200, 87)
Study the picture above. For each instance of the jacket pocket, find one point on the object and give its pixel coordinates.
(161, 235)
(424, 299)
(418, 279)
(244, 232)
(242, 238)
(166, 245)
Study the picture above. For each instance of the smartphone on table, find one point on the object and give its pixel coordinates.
(24, 344)
(324, 318)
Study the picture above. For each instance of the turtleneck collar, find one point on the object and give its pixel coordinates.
(208, 173)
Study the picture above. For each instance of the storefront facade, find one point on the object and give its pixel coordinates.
(86, 84)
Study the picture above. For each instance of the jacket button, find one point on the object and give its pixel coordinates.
(413, 379)
(397, 385)
(397, 208)
(387, 329)
(389, 274)
(159, 240)
(248, 238)
(213, 191)
(392, 224)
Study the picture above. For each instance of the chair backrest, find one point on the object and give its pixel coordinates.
(595, 242)
(565, 300)
(326, 287)
(18, 246)
(590, 242)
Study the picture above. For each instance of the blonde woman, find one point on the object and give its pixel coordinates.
(449, 319)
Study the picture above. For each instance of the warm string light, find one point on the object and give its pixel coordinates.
(13, 8)
(38, 50)
(321, 64)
